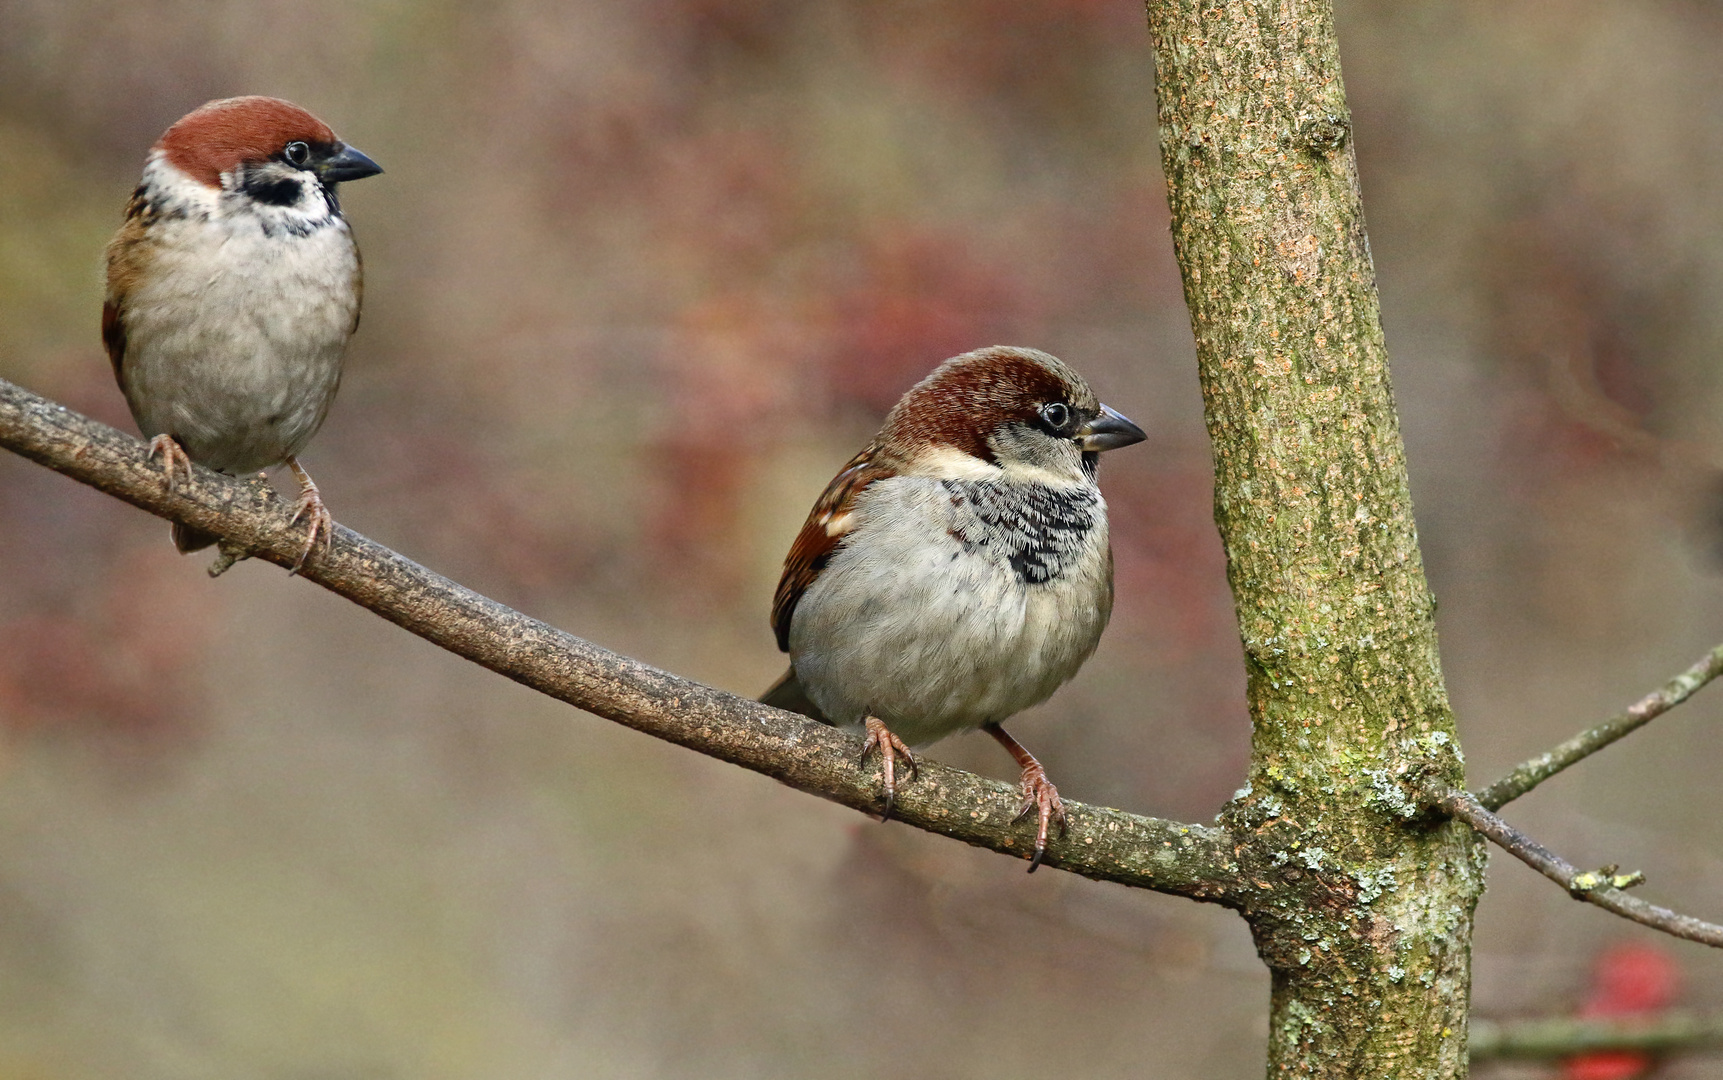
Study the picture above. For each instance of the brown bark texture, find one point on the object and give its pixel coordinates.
(1364, 907)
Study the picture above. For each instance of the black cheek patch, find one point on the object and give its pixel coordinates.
(274, 192)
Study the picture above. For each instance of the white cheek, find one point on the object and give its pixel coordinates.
(948, 463)
(1025, 473)
(180, 191)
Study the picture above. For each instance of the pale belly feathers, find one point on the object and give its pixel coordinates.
(933, 639)
(235, 339)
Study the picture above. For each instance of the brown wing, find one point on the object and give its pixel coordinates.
(831, 519)
(114, 335)
(126, 254)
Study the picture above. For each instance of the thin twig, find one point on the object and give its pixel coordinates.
(1601, 887)
(1189, 860)
(1569, 1036)
(1531, 773)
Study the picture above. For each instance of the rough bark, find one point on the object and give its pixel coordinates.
(1370, 948)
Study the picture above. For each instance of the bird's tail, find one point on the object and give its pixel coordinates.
(787, 694)
(188, 539)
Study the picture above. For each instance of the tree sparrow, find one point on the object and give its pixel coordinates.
(232, 290)
(957, 570)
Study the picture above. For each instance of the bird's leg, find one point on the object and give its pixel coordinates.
(879, 737)
(1040, 797)
(174, 458)
(310, 507)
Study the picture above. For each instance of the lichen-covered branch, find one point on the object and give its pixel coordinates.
(1530, 774)
(1604, 887)
(1565, 1037)
(1109, 845)
(1312, 501)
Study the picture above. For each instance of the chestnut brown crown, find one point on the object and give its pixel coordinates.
(219, 136)
(969, 397)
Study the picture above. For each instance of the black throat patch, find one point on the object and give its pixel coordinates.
(1039, 530)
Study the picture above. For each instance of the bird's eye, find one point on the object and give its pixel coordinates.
(296, 153)
(1056, 415)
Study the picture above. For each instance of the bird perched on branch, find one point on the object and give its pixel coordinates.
(957, 571)
(232, 290)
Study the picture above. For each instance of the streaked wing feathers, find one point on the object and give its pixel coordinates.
(830, 521)
(114, 335)
(126, 255)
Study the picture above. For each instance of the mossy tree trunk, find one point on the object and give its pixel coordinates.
(1365, 906)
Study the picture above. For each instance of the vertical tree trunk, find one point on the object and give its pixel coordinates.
(1365, 912)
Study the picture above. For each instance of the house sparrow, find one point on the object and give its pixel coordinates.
(956, 571)
(232, 290)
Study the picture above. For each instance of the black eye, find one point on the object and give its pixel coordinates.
(1056, 415)
(296, 153)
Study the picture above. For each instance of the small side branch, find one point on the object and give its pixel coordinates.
(1109, 845)
(1605, 887)
(1531, 773)
(1543, 1039)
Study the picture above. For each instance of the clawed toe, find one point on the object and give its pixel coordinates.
(310, 507)
(880, 737)
(1041, 799)
(174, 458)
(318, 524)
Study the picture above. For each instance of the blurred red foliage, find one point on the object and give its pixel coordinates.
(919, 295)
(1575, 324)
(1030, 53)
(130, 664)
(1627, 980)
(730, 388)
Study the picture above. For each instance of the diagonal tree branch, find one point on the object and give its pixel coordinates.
(1530, 774)
(1563, 1037)
(1601, 887)
(1109, 845)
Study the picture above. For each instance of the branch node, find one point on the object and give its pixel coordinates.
(1627, 880)
(228, 554)
(1321, 135)
(1608, 877)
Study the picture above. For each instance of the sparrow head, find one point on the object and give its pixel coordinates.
(263, 151)
(1012, 409)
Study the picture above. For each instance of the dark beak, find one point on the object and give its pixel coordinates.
(1109, 431)
(347, 164)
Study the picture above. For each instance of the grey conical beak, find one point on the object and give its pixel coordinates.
(348, 164)
(1109, 431)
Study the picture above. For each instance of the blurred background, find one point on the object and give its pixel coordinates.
(641, 276)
